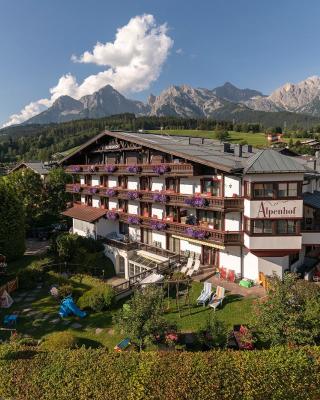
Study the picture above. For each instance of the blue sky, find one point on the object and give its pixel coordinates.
(251, 43)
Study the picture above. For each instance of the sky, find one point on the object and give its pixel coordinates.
(74, 47)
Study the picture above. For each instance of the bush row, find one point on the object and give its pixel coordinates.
(280, 373)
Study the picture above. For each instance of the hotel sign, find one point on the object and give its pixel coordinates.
(273, 209)
(278, 209)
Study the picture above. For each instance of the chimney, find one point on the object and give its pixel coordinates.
(189, 140)
(249, 148)
(238, 150)
(226, 147)
(202, 140)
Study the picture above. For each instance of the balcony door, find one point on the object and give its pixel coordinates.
(144, 183)
(209, 256)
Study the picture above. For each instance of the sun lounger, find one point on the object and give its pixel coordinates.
(205, 294)
(187, 266)
(217, 298)
(195, 268)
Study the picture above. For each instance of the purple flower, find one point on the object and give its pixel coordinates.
(93, 190)
(76, 168)
(111, 168)
(112, 215)
(76, 188)
(133, 195)
(133, 220)
(161, 169)
(158, 225)
(196, 201)
(160, 198)
(134, 169)
(111, 192)
(195, 233)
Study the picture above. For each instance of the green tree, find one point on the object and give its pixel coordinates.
(221, 135)
(57, 197)
(12, 226)
(291, 312)
(145, 319)
(29, 187)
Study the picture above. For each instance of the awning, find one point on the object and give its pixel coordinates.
(215, 246)
(85, 213)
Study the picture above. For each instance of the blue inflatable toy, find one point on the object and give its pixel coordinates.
(68, 307)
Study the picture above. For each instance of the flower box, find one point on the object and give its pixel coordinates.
(133, 195)
(160, 198)
(133, 169)
(158, 225)
(111, 192)
(76, 188)
(134, 220)
(76, 168)
(112, 215)
(196, 201)
(111, 168)
(161, 169)
(93, 190)
(195, 233)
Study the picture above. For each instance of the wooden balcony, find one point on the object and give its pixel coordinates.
(171, 198)
(173, 169)
(215, 236)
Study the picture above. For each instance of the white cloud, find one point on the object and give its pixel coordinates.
(134, 60)
(180, 52)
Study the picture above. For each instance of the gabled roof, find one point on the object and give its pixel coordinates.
(38, 167)
(85, 213)
(271, 161)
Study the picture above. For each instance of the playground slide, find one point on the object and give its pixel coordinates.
(68, 307)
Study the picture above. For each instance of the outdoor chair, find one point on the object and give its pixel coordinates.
(231, 276)
(188, 266)
(217, 298)
(195, 268)
(205, 294)
(223, 273)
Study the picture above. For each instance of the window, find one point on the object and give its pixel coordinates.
(211, 187)
(288, 189)
(262, 226)
(286, 227)
(210, 217)
(247, 189)
(263, 190)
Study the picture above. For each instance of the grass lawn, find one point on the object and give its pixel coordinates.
(15, 266)
(42, 317)
(255, 139)
(235, 310)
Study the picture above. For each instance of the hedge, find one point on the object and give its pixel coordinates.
(280, 373)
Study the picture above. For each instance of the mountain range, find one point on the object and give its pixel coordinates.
(226, 102)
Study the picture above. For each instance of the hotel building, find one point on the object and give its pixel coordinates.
(255, 212)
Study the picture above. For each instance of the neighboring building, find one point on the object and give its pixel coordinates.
(38, 167)
(274, 137)
(314, 143)
(233, 206)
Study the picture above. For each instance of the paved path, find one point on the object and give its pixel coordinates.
(36, 247)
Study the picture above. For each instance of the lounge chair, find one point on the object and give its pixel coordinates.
(195, 268)
(217, 298)
(205, 294)
(187, 266)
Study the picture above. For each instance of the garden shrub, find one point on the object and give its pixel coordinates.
(59, 341)
(34, 273)
(65, 290)
(97, 298)
(279, 374)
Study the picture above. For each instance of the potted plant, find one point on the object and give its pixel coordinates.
(158, 225)
(160, 198)
(133, 220)
(112, 215)
(110, 168)
(133, 195)
(161, 169)
(111, 192)
(133, 169)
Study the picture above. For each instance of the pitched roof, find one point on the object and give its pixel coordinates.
(37, 167)
(271, 161)
(85, 213)
(312, 199)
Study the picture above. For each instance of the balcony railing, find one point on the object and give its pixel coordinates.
(180, 169)
(170, 198)
(216, 236)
